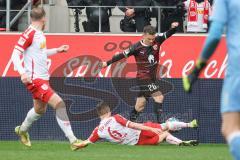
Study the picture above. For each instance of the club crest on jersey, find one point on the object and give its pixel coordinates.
(151, 59)
(155, 47)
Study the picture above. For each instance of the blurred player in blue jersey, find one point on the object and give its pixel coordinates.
(226, 15)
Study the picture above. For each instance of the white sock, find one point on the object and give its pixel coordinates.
(173, 140)
(31, 117)
(173, 126)
(67, 129)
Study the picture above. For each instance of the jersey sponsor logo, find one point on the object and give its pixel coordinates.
(142, 52)
(151, 59)
(200, 11)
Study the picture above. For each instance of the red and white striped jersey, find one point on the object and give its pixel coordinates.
(32, 43)
(115, 129)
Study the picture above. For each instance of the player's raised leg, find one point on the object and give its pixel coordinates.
(177, 125)
(63, 121)
(139, 106)
(33, 115)
(158, 107)
(231, 131)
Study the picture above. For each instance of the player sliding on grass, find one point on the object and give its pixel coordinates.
(146, 53)
(35, 76)
(120, 130)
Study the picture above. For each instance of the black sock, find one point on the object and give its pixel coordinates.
(158, 109)
(134, 111)
(133, 115)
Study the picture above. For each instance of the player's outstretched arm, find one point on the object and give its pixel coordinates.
(173, 29)
(163, 36)
(52, 51)
(117, 57)
(93, 137)
(208, 49)
(114, 59)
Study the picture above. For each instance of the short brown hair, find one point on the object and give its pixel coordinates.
(149, 30)
(103, 108)
(37, 13)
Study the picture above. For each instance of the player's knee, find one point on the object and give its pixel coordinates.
(224, 131)
(41, 110)
(159, 99)
(60, 104)
(228, 129)
(163, 136)
(140, 106)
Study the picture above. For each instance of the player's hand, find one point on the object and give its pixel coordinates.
(25, 79)
(174, 25)
(156, 130)
(189, 80)
(63, 48)
(102, 65)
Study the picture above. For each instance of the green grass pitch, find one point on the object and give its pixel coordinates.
(55, 150)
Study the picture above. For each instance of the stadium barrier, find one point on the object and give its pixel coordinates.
(75, 77)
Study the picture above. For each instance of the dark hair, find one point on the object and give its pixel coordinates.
(37, 13)
(149, 30)
(102, 108)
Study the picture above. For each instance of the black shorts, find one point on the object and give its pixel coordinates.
(147, 88)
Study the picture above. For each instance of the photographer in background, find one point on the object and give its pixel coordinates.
(169, 15)
(135, 18)
(92, 23)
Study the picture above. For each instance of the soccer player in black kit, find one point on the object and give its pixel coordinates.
(146, 53)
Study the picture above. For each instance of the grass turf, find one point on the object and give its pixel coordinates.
(54, 150)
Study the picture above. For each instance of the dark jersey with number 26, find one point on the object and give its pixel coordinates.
(147, 57)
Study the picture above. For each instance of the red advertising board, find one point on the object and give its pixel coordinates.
(177, 54)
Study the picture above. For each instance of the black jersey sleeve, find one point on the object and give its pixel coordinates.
(125, 54)
(160, 38)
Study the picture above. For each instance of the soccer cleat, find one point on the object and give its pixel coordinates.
(189, 143)
(24, 137)
(78, 144)
(194, 124)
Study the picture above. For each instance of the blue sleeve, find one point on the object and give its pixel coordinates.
(220, 12)
(212, 40)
